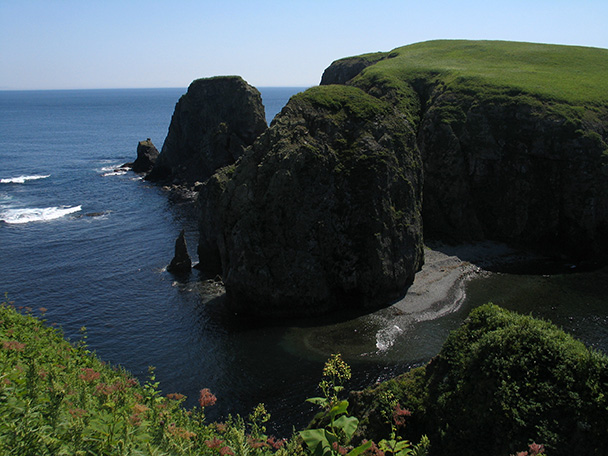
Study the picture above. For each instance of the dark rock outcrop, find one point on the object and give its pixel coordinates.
(211, 126)
(146, 157)
(517, 171)
(343, 70)
(325, 209)
(501, 163)
(322, 213)
(181, 262)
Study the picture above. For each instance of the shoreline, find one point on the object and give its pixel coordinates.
(447, 268)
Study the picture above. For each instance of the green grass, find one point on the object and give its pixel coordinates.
(572, 74)
(346, 100)
(57, 398)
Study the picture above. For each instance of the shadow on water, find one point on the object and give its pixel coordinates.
(247, 360)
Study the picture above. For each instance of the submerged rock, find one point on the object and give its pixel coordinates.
(181, 262)
(211, 126)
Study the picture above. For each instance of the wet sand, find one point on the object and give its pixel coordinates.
(441, 281)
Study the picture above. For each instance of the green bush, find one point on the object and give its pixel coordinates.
(503, 380)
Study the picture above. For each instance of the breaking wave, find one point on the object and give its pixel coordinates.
(20, 216)
(23, 179)
(385, 338)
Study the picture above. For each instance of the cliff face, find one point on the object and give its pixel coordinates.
(325, 209)
(343, 70)
(322, 213)
(516, 170)
(511, 150)
(211, 126)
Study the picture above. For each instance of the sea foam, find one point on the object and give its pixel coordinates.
(23, 179)
(19, 216)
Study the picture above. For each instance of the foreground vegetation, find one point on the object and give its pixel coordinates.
(60, 399)
(501, 383)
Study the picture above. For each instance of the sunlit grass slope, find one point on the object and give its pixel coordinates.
(571, 74)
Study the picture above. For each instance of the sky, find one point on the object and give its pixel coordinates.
(78, 44)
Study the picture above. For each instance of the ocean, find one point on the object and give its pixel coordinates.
(88, 244)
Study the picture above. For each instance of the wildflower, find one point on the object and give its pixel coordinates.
(221, 427)
(214, 443)
(339, 449)
(374, 450)
(43, 310)
(42, 374)
(138, 411)
(206, 398)
(276, 444)
(255, 444)
(104, 389)
(536, 449)
(399, 415)
(176, 396)
(180, 432)
(13, 345)
(77, 412)
(226, 451)
(89, 375)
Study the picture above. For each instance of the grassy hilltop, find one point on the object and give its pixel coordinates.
(571, 74)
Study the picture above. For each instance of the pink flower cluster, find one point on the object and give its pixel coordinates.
(206, 398)
(89, 375)
(534, 449)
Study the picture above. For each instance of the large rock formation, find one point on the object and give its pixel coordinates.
(147, 154)
(324, 210)
(322, 213)
(517, 171)
(211, 126)
(512, 149)
(343, 70)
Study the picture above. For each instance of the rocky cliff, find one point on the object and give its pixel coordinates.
(513, 137)
(211, 126)
(323, 212)
(147, 154)
(325, 209)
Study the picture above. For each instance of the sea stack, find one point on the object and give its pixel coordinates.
(147, 154)
(181, 262)
(212, 125)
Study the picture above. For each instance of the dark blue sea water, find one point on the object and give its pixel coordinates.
(91, 245)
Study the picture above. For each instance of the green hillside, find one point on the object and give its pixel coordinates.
(567, 73)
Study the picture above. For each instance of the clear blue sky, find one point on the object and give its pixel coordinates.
(62, 44)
